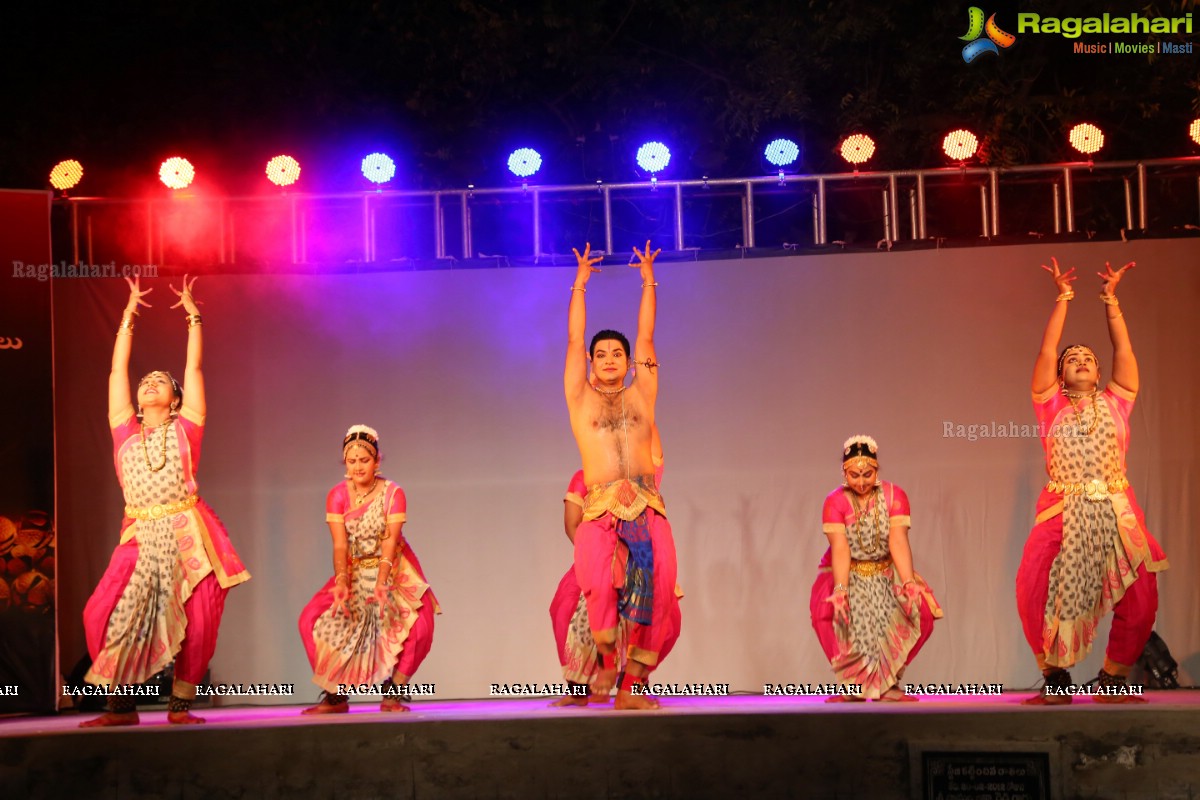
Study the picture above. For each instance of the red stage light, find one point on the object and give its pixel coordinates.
(283, 170)
(857, 148)
(1194, 131)
(177, 173)
(66, 174)
(960, 145)
(1087, 138)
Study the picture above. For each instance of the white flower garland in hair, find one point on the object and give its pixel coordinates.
(860, 439)
(369, 431)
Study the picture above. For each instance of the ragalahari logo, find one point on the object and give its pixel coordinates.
(996, 38)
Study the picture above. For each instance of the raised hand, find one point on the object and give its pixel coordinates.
(135, 296)
(185, 296)
(1062, 279)
(586, 264)
(645, 260)
(1111, 279)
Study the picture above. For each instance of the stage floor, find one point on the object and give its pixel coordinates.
(692, 747)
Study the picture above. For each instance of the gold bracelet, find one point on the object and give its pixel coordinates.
(339, 575)
(578, 289)
(644, 285)
(193, 320)
(126, 326)
(1109, 299)
(1117, 315)
(387, 561)
(841, 587)
(1067, 295)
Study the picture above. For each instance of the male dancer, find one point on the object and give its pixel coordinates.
(613, 426)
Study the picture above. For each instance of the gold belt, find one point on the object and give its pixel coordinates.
(1094, 490)
(868, 568)
(366, 562)
(161, 510)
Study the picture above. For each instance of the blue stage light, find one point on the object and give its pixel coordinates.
(782, 152)
(378, 168)
(653, 157)
(524, 162)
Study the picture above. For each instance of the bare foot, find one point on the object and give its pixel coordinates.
(111, 719)
(328, 708)
(391, 705)
(597, 699)
(1043, 699)
(1117, 699)
(184, 718)
(604, 681)
(628, 701)
(845, 698)
(570, 700)
(896, 695)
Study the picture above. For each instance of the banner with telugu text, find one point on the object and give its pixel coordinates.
(28, 653)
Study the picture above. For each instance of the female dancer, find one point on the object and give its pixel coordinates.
(1089, 551)
(871, 611)
(372, 622)
(163, 593)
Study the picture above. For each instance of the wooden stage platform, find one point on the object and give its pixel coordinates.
(739, 746)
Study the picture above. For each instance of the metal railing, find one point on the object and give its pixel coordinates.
(456, 206)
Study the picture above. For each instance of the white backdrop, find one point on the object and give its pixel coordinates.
(767, 366)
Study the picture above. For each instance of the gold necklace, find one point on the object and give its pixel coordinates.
(360, 497)
(859, 521)
(1085, 430)
(146, 450)
(614, 391)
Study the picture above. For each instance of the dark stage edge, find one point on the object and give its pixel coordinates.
(741, 746)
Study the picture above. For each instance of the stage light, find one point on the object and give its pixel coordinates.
(653, 157)
(378, 168)
(1194, 131)
(66, 175)
(524, 162)
(283, 170)
(857, 148)
(176, 173)
(1087, 138)
(782, 152)
(960, 145)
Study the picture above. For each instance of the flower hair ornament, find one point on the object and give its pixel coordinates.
(361, 436)
(859, 452)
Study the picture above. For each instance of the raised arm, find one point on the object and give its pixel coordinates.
(193, 375)
(644, 355)
(119, 399)
(575, 371)
(1125, 369)
(1045, 372)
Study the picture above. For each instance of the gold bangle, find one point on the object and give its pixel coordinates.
(1117, 315)
(1109, 299)
(840, 587)
(644, 285)
(1067, 295)
(578, 289)
(126, 325)
(193, 320)
(339, 575)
